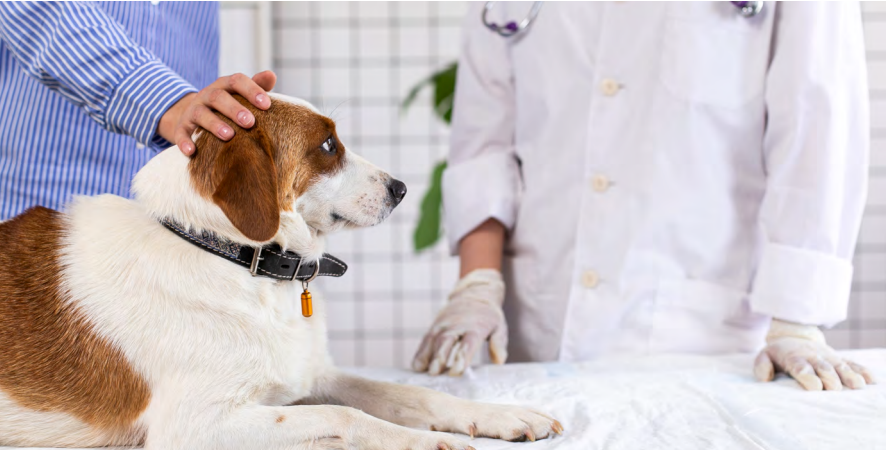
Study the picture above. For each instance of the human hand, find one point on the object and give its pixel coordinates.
(801, 351)
(472, 316)
(198, 109)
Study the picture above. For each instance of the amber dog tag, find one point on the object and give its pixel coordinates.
(307, 308)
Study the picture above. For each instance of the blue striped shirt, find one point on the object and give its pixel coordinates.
(83, 86)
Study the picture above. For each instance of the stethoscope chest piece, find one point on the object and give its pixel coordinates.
(510, 28)
(749, 9)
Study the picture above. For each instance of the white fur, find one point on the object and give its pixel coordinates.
(294, 101)
(223, 352)
(23, 427)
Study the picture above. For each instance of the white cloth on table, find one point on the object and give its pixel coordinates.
(675, 402)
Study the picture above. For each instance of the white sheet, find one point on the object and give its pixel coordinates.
(674, 402)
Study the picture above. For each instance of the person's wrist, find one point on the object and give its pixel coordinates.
(479, 276)
(171, 118)
(484, 285)
(779, 329)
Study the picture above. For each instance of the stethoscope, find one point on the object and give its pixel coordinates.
(512, 28)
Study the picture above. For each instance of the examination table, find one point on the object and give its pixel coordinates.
(674, 402)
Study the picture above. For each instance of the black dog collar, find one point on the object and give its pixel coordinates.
(268, 261)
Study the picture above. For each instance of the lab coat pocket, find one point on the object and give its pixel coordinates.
(705, 62)
(701, 317)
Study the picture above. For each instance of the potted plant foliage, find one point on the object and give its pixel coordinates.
(428, 229)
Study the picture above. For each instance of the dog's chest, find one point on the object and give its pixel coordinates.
(295, 353)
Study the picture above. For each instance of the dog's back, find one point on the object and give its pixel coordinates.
(59, 381)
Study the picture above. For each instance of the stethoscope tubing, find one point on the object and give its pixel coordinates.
(512, 28)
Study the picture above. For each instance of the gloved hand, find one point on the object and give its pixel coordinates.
(801, 351)
(473, 315)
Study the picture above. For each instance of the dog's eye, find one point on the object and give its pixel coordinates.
(329, 146)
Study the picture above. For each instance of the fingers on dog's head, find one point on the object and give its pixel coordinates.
(264, 169)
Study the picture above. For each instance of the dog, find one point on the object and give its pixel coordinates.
(132, 322)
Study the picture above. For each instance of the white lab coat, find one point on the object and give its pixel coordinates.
(672, 174)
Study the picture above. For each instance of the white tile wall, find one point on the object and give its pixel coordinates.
(243, 37)
(358, 61)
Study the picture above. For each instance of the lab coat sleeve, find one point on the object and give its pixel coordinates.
(482, 179)
(78, 51)
(816, 159)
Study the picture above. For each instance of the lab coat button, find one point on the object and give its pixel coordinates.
(589, 279)
(600, 183)
(609, 87)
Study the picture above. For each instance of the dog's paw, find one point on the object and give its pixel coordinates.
(325, 443)
(383, 438)
(508, 422)
(428, 440)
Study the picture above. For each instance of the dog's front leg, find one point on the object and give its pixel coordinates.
(419, 407)
(300, 427)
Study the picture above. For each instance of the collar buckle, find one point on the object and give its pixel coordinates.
(256, 257)
(316, 272)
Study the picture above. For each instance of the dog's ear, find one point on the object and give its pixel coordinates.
(247, 190)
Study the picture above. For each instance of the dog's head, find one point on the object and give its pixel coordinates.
(290, 162)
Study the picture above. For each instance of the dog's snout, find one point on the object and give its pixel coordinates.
(396, 190)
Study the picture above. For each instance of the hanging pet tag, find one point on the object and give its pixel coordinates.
(307, 308)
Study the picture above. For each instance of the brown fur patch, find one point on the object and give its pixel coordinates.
(50, 358)
(262, 170)
(247, 192)
(281, 419)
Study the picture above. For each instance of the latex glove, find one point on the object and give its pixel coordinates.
(801, 351)
(473, 315)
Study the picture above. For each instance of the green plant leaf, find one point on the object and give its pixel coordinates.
(444, 92)
(443, 83)
(413, 93)
(428, 230)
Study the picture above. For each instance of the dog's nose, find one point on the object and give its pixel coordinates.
(397, 190)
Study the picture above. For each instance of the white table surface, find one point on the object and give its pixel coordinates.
(674, 402)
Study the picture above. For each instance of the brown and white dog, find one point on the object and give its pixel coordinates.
(115, 331)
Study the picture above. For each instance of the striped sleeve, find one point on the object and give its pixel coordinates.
(75, 49)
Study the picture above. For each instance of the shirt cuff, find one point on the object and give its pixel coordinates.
(801, 286)
(142, 98)
(479, 189)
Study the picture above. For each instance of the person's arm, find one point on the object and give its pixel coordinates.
(816, 160)
(482, 180)
(482, 248)
(77, 50)
(481, 188)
